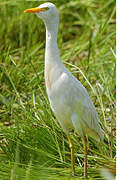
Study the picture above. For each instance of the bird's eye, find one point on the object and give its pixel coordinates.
(45, 8)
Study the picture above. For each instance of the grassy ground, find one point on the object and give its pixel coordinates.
(32, 144)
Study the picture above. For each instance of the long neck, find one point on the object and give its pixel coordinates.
(53, 63)
(52, 52)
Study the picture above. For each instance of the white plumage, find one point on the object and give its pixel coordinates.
(68, 98)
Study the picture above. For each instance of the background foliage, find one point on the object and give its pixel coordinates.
(32, 144)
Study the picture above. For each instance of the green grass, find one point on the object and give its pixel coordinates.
(32, 143)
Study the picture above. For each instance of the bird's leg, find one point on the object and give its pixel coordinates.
(85, 156)
(72, 154)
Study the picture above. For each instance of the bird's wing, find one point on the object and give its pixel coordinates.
(85, 108)
(91, 120)
(74, 99)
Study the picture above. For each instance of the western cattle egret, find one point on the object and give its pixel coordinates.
(68, 98)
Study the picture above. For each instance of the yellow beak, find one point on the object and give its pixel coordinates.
(36, 10)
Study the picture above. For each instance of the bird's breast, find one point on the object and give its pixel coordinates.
(52, 74)
(48, 79)
(56, 87)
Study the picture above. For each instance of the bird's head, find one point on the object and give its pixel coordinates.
(47, 12)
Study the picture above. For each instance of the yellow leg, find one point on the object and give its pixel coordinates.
(85, 156)
(72, 154)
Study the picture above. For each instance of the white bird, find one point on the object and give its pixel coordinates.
(68, 98)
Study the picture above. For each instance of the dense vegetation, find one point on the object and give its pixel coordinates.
(32, 144)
